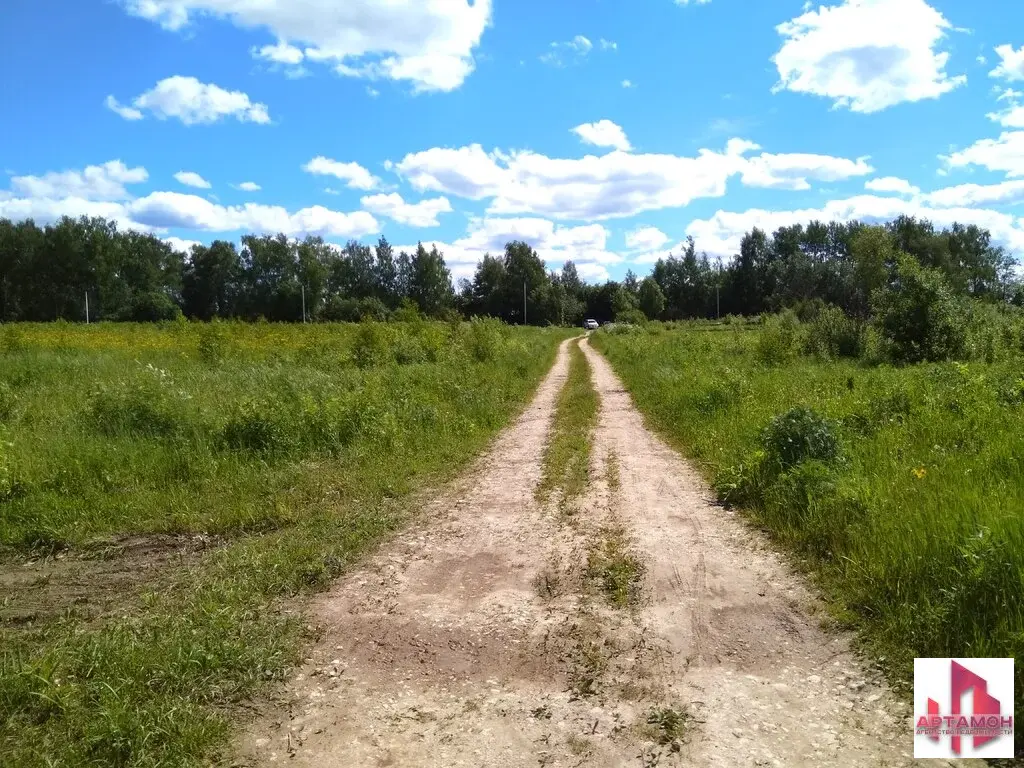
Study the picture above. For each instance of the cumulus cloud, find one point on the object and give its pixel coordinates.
(866, 55)
(93, 183)
(891, 184)
(192, 102)
(585, 245)
(646, 239)
(421, 214)
(249, 186)
(179, 245)
(720, 234)
(192, 179)
(161, 211)
(353, 174)
(977, 194)
(603, 133)
(1004, 154)
(1011, 63)
(428, 44)
(617, 184)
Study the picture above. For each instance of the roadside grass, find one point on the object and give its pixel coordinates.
(900, 489)
(566, 471)
(294, 448)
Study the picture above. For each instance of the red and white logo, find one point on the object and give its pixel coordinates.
(963, 708)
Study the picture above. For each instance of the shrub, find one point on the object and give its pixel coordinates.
(485, 338)
(372, 345)
(631, 317)
(798, 435)
(778, 340)
(920, 316)
(831, 334)
(211, 344)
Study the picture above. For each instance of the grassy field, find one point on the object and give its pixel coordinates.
(901, 489)
(195, 478)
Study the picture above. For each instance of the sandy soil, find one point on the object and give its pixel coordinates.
(482, 635)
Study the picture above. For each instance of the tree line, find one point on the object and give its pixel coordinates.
(47, 272)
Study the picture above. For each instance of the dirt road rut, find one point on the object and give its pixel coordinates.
(481, 637)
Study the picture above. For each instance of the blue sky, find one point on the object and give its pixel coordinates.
(597, 130)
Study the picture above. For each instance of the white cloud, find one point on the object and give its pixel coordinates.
(1004, 154)
(429, 44)
(866, 55)
(192, 179)
(161, 211)
(331, 191)
(646, 239)
(1011, 63)
(192, 102)
(891, 184)
(94, 183)
(179, 245)
(603, 133)
(577, 48)
(792, 171)
(1011, 117)
(628, 84)
(694, 2)
(720, 235)
(609, 45)
(964, 195)
(165, 210)
(353, 174)
(421, 214)
(584, 245)
(616, 184)
(282, 53)
(249, 186)
(128, 113)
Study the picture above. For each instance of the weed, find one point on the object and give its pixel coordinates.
(617, 571)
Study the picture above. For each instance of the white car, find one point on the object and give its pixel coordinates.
(591, 325)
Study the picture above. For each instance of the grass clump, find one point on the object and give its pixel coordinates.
(566, 469)
(617, 571)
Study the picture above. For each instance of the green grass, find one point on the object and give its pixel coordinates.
(567, 456)
(914, 529)
(296, 447)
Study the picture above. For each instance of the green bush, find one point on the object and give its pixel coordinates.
(919, 315)
(779, 339)
(372, 345)
(798, 435)
(631, 316)
(831, 334)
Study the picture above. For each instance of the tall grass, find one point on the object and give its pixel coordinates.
(902, 489)
(295, 445)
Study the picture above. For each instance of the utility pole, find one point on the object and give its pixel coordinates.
(303, 303)
(86, 307)
(718, 283)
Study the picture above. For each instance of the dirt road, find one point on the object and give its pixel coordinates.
(479, 637)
